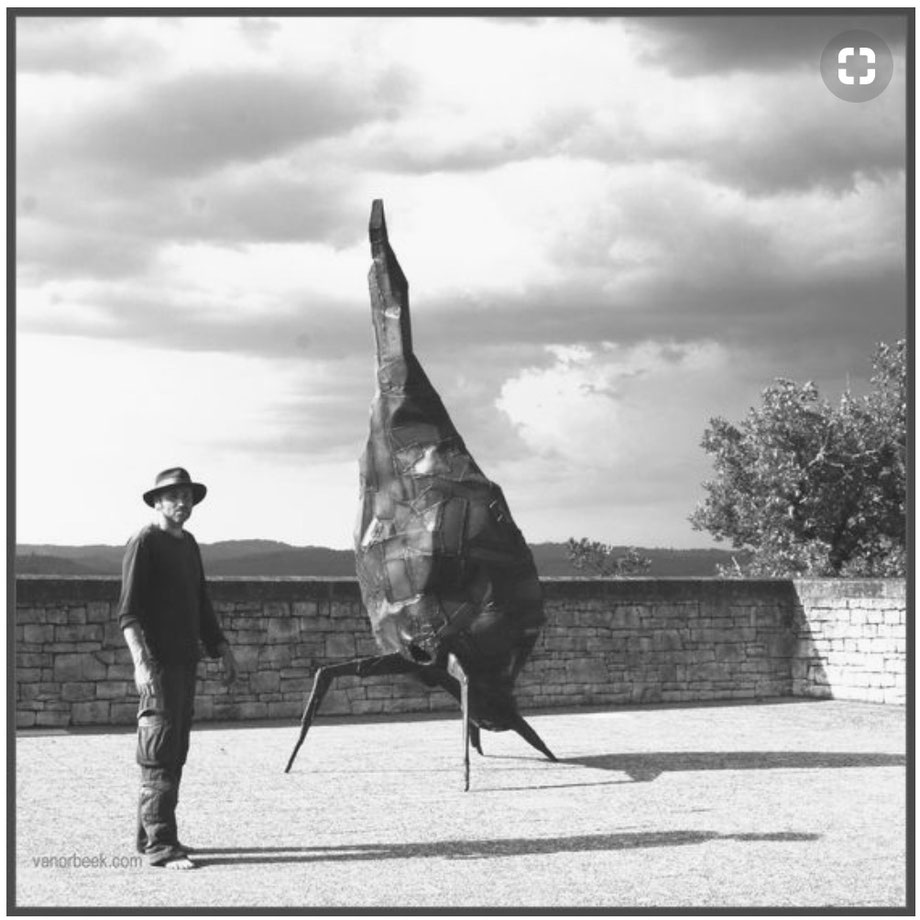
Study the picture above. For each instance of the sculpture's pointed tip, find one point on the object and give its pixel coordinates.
(378, 223)
(527, 732)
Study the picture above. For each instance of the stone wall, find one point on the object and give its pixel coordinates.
(660, 640)
(605, 642)
(851, 640)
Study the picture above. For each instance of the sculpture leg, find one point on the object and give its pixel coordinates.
(456, 671)
(358, 667)
(436, 677)
(475, 738)
(531, 737)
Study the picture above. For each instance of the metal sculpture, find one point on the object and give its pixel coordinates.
(447, 578)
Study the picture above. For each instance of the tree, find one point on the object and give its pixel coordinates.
(605, 561)
(814, 489)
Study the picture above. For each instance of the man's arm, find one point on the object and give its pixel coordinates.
(212, 636)
(131, 614)
(144, 672)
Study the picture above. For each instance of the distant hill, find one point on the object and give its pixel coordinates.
(269, 557)
(42, 564)
(229, 557)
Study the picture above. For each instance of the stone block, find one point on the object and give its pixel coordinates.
(336, 702)
(95, 712)
(78, 633)
(286, 709)
(341, 611)
(98, 612)
(304, 610)
(729, 651)
(119, 672)
(123, 713)
(367, 707)
(93, 668)
(115, 690)
(277, 610)
(25, 615)
(204, 708)
(68, 667)
(281, 629)
(247, 657)
(340, 646)
(708, 672)
(253, 710)
(645, 693)
(52, 719)
(25, 719)
(226, 710)
(365, 646)
(626, 617)
(275, 656)
(112, 635)
(27, 692)
(800, 668)
(38, 634)
(72, 692)
(33, 660)
(265, 682)
(295, 686)
(246, 637)
(586, 671)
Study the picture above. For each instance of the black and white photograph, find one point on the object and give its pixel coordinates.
(458, 460)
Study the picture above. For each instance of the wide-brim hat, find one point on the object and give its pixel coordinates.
(172, 478)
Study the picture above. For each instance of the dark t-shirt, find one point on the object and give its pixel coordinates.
(163, 591)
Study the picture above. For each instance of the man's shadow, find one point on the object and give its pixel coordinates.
(481, 849)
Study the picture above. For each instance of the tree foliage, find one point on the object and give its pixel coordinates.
(605, 561)
(813, 489)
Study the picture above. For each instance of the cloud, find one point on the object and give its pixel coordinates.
(605, 407)
(761, 133)
(754, 42)
(608, 428)
(622, 254)
(85, 47)
(603, 218)
(201, 122)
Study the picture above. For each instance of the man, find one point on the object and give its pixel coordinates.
(165, 613)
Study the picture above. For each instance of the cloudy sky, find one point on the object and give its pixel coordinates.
(614, 229)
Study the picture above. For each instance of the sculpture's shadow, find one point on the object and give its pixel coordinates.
(644, 768)
(482, 849)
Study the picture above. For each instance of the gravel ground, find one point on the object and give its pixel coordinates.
(774, 805)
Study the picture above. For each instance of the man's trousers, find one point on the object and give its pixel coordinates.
(164, 721)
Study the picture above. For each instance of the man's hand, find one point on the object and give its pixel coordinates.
(228, 663)
(145, 677)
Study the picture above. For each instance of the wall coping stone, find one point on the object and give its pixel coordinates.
(34, 589)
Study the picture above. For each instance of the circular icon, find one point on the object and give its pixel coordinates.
(856, 66)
